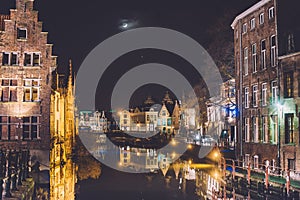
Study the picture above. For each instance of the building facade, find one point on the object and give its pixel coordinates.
(25, 81)
(266, 62)
(93, 120)
(152, 117)
(221, 114)
(63, 132)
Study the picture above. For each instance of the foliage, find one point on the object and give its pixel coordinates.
(88, 166)
(221, 46)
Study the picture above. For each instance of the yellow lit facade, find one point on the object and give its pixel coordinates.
(63, 131)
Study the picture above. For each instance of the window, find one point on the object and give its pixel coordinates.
(288, 85)
(289, 128)
(254, 58)
(246, 97)
(274, 127)
(264, 129)
(22, 33)
(31, 90)
(261, 18)
(30, 128)
(255, 162)
(273, 50)
(264, 94)
(36, 59)
(32, 59)
(255, 129)
(9, 90)
(254, 95)
(9, 58)
(247, 160)
(252, 23)
(247, 130)
(292, 164)
(263, 54)
(5, 58)
(244, 30)
(274, 91)
(271, 13)
(291, 43)
(246, 61)
(14, 59)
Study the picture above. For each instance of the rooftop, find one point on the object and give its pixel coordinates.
(249, 11)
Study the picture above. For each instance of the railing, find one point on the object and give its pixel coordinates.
(269, 174)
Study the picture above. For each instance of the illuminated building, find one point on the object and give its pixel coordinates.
(267, 83)
(93, 121)
(63, 132)
(221, 112)
(152, 117)
(25, 82)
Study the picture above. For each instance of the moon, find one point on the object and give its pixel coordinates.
(125, 24)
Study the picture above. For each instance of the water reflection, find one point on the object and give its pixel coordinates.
(161, 174)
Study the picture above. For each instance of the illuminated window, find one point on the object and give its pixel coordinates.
(31, 90)
(289, 128)
(36, 59)
(288, 85)
(274, 91)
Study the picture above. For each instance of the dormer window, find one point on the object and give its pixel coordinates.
(22, 33)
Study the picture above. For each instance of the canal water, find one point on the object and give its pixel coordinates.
(142, 173)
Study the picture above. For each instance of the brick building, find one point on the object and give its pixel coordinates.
(25, 81)
(265, 42)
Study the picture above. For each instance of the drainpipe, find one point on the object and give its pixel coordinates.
(278, 84)
(241, 92)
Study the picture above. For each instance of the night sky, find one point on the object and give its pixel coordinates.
(76, 27)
